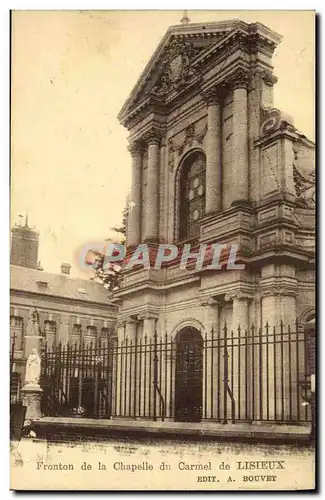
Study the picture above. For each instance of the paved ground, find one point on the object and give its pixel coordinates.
(159, 465)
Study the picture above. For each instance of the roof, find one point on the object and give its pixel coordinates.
(60, 285)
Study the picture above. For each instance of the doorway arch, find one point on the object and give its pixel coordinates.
(188, 375)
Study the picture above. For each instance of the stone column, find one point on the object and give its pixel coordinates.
(213, 152)
(240, 138)
(240, 313)
(239, 349)
(283, 355)
(212, 368)
(270, 326)
(130, 367)
(146, 366)
(134, 214)
(151, 210)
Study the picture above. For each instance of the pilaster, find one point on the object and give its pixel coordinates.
(63, 331)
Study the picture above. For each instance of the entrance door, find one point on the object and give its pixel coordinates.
(188, 377)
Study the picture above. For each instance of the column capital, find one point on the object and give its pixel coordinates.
(132, 320)
(240, 79)
(212, 96)
(239, 295)
(147, 315)
(135, 148)
(268, 77)
(209, 301)
(153, 137)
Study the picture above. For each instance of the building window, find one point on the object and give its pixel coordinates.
(104, 336)
(16, 332)
(91, 336)
(192, 195)
(76, 334)
(50, 332)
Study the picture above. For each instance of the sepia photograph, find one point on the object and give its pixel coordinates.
(162, 250)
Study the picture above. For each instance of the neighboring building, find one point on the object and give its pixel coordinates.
(24, 246)
(214, 162)
(69, 308)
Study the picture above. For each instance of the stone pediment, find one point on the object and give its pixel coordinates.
(183, 55)
(171, 68)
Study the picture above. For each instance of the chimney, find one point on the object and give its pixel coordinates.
(65, 268)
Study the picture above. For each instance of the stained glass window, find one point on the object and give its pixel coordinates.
(192, 195)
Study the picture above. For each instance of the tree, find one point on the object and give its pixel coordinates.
(109, 273)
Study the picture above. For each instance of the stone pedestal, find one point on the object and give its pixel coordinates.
(31, 397)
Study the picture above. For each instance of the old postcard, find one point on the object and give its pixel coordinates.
(162, 316)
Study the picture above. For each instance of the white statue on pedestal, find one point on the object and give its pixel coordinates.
(33, 368)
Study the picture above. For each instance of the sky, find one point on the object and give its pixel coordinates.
(71, 73)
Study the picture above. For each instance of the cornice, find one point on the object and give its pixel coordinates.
(252, 38)
(149, 285)
(60, 299)
(276, 290)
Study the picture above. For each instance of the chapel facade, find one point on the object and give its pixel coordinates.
(213, 161)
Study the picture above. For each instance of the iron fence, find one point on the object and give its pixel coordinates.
(15, 381)
(222, 376)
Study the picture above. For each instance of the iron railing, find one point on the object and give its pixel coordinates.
(15, 381)
(222, 376)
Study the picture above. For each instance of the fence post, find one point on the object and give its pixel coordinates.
(225, 376)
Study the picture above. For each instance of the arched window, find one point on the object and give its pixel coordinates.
(192, 195)
(50, 332)
(76, 334)
(16, 331)
(104, 334)
(91, 336)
